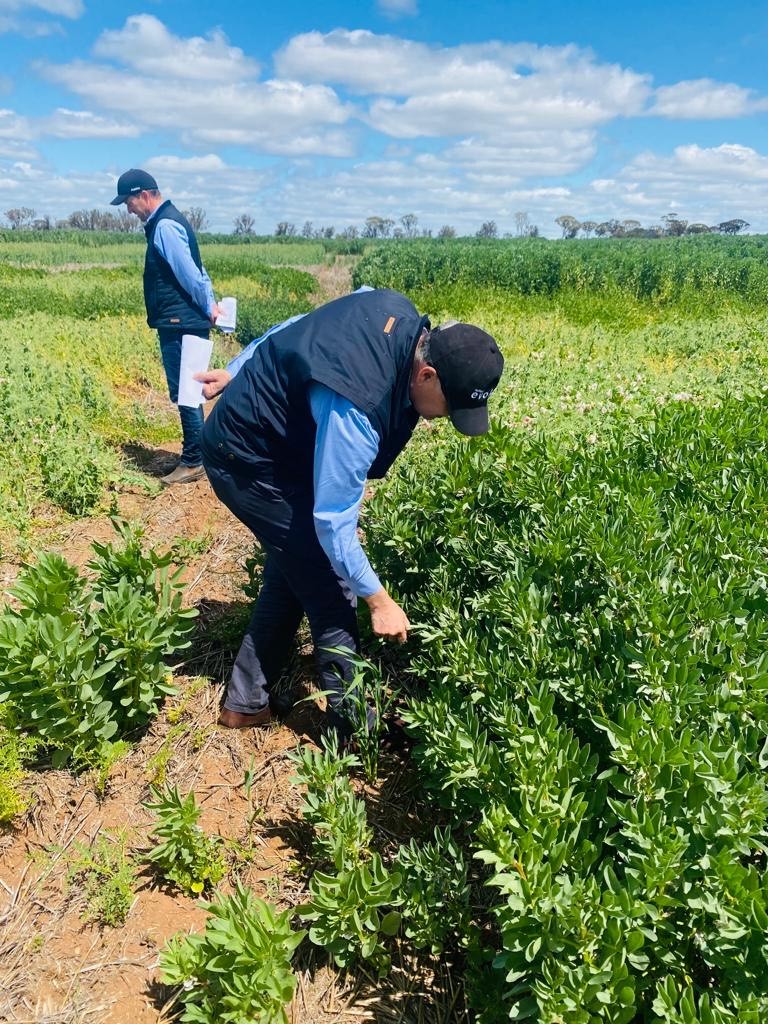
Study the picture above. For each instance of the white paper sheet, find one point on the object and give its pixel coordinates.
(226, 321)
(195, 356)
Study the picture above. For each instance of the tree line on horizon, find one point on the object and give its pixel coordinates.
(671, 226)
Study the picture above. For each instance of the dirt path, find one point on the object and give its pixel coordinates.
(56, 968)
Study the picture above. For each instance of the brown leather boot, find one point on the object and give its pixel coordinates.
(183, 475)
(238, 720)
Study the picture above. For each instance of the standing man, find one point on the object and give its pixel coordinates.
(178, 296)
(321, 404)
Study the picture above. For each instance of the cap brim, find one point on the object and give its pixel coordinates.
(118, 200)
(471, 422)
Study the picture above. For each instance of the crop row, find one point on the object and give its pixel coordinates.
(591, 624)
(266, 293)
(661, 270)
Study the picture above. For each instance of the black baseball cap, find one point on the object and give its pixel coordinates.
(469, 365)
(131, 184)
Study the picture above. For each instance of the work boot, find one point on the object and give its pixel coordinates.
(238, 720)
(183, 475)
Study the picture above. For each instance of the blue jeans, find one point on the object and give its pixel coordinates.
(191, 419)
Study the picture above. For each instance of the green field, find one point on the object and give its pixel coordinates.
(588, 585)
(77, 362)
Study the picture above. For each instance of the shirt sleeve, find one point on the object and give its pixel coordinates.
(345, 446)
(235, 365)
(172, 243)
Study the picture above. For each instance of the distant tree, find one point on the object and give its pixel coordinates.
(307, 230)
(20, 217)
(398, 233)
(327, 232)
(409, 222)
(86, 220)
(285, 229)
(728, 227)
(426, 232)
(698, 229)
(349, 232)
(631, 229)
(197, 218)
(125, 222)
(446, 231)
(377, 227)
(674, 225)
(568, 225)
(606, 228)
(588, 227)
(522, 224)
(488, 229)
(42, 223)
(533, 231)
(244, 224)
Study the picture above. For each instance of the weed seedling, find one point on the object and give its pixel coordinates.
(105, 874)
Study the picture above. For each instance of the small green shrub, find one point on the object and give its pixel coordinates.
(74, 476)
(238, 971)
(349, 914)
(434, 891)
(184, 855)
(82, 663)
(105, 874)
(15, 751)
(342, 836)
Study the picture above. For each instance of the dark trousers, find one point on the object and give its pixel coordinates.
(298, 579)
(191, 419)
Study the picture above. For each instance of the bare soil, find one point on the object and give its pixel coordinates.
(57, 969)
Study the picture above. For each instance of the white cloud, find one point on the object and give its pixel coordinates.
(561, 82)
(29, 29)
(702, 184)
(398, 8)
(64, 8)
(273, 116)
(13, 126)
(728, 163)
(705, 99)
(83, 124)
(145, 45)
(513, 109)
(210, 164)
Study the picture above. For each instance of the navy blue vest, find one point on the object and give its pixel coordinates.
(168, 304)
(360, 346)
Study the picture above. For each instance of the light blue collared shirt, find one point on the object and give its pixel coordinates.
(345, 446)
(172, 242)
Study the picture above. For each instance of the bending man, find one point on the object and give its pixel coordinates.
(322, 403)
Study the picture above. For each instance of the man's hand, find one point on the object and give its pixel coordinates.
(213, 381)
(387, 617)
(215, 312)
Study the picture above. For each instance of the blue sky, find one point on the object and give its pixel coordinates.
(455, 112)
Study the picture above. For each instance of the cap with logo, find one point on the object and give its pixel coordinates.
(132, 183)
(469, 365)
